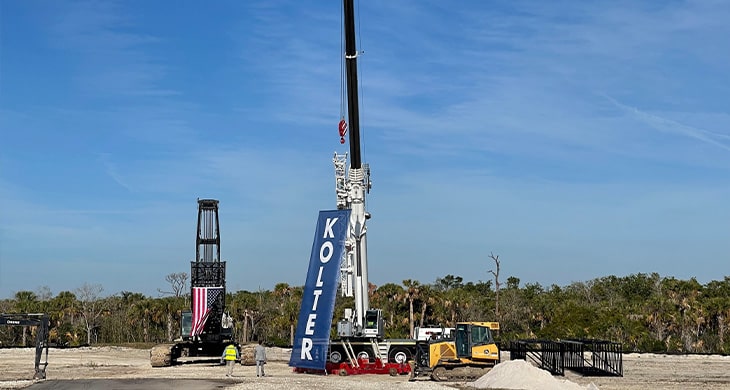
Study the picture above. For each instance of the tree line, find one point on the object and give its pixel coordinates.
(643, 312)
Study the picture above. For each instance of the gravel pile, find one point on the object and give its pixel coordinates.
(519, 374)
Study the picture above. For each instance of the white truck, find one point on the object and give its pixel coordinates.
(433, 333)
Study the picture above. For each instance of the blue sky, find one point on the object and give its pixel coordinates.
(574, 139)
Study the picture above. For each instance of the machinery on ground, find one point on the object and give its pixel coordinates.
(41, 322)
(206, 329)
(467, 356)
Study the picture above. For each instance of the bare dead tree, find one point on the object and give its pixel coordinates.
(92, 306)
(496, 283)
(178, 282)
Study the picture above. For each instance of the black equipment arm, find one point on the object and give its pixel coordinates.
(351, 73)
(41, 339)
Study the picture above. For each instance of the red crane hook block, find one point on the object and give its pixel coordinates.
(342, 127)
(343, 130)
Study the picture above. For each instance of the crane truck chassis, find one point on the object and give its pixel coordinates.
(206, 329)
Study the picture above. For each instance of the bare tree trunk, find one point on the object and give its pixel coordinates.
(169, 326)
(410, 316)
(291, 334)
(721, 331)
(88, 331)
(146, 329)
(253, 330)
(423, 313)
(91, 308)
(496, 284)
(245, 326)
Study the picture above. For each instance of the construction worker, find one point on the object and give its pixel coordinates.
(230, 355)
(260, 357)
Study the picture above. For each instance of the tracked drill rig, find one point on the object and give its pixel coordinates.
(206, 329)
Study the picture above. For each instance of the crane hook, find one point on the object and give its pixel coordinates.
(342, 126)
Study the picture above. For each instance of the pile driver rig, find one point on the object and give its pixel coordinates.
(207, 328)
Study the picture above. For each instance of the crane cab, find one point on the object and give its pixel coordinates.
(373, 324)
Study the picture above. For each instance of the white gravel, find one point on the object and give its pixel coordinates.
(641, 371)
(521, 375)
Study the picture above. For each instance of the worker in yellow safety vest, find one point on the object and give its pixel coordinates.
(230, 355)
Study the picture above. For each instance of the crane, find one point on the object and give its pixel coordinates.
(342, 234)
(361, 347)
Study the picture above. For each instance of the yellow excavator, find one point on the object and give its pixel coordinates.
(469, 354)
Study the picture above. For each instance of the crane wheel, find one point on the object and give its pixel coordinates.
(399, 355)
(335, 357)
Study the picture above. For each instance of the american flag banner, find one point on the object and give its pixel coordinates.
(203, 300)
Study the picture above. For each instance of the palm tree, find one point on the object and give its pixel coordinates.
(412, 288)
(389, 298)
(428, 298)
(717, 303)
(25, 302)
(63, 312)
(133, 306)
(288, 305)
(170, 307)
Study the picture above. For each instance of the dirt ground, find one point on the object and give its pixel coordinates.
(641, 371)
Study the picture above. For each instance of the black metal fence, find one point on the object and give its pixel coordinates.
(593, 357)
(589, 357)
(547, 354)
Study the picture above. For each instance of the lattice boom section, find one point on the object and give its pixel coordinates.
(207, 274)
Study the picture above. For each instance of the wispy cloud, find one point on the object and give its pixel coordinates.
(111, 170)
(674, 127)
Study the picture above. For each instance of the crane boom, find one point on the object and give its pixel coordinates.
(353, 113)
(351, 190)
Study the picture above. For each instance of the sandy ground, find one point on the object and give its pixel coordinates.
(641, 371)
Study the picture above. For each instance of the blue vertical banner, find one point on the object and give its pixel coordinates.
(311, 341)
